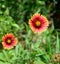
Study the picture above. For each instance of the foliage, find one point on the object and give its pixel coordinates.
(21, 10)
(31, 48)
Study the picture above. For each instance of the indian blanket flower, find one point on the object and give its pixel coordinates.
(9, 41)
(38, 23)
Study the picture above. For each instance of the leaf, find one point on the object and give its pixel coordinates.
(15, 25)
(1, 57)
(36, 45)
(6, 56)
(6, 12)
(57, 44)
(38, 61)
(48, 44)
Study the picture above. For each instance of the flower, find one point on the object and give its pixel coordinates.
(9, 41)
(38, 23)
(56, 57)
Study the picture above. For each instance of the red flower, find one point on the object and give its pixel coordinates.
(9, 41)
(38, 23)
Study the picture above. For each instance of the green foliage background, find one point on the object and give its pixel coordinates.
(14, 16)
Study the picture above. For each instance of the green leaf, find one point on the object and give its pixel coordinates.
(6, 12)
(38, 61)
(57, 44)
(48, 44)
(6, 55)
(1, 57)
(15, 25)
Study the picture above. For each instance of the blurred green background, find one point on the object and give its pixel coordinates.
(31, 48)
(21, 10)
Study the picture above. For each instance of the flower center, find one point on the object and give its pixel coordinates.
(8, 41)
(37, 23)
